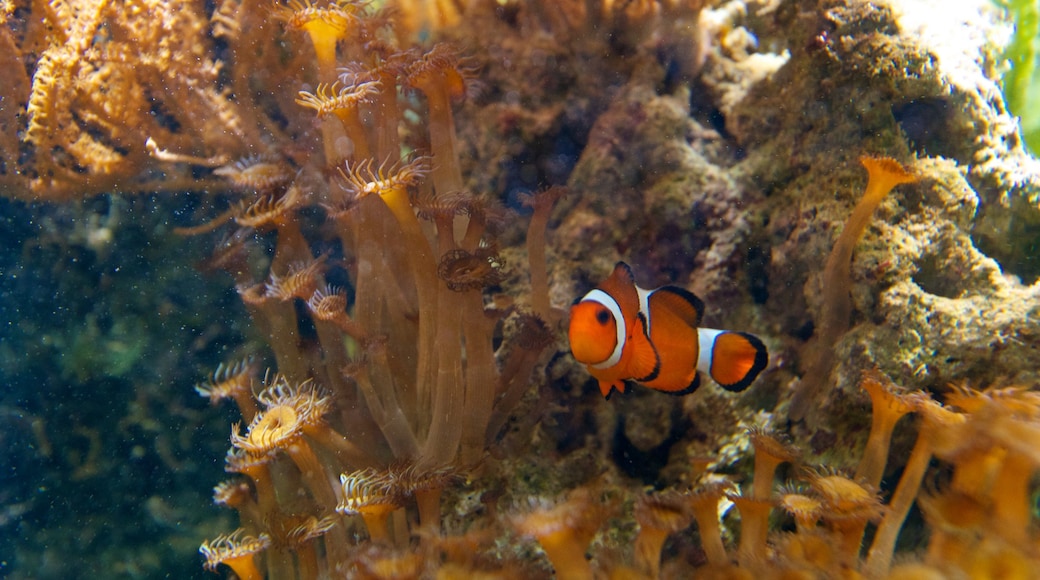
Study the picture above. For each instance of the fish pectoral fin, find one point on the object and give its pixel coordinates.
(643, 363)
(736, 360)
(680, 302)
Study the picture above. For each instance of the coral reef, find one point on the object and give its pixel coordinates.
(405, 406)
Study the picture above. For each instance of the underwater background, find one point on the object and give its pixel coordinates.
(364, 224)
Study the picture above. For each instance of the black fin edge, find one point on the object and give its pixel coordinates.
(628, 271)
(688, 296)
(693, 386)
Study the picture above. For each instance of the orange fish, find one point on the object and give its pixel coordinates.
(622, 332)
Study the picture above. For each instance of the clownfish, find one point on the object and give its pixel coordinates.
(622, 332)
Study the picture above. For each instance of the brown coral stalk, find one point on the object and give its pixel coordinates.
(387, 413)
(481, 378)
(884, 174)
(542, 204)
(514, 380)
(438, 76)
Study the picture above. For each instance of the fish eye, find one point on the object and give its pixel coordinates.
(602, 316)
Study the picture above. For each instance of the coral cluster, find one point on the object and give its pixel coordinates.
(829, 523)
(392, 376)
(99, 97)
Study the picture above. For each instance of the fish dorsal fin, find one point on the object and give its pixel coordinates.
(736, 360)
(680, 302)
(621, 286)
(643, 360)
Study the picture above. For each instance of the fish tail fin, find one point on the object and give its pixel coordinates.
(736, 359)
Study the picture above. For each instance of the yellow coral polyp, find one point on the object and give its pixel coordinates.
(274, 429)
(329, 304)
(232, 381)
(337, 99)
(705, 505)
(888, 406)
(236, 550)
(366, 494)
(301, 281)
(270, 210)
(564, 531)
(440, 77)
(833, 320)
(805, 509)
(658, 515)
(325, 24)
(257, 173)
(770, 453)
(844, 495)
(389, 181)
(343, 102)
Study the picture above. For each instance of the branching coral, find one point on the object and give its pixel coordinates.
(108, 78)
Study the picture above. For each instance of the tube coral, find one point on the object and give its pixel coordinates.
(541, 204)
(325, 25)
(935, 421)
(564, 531)
(770, 453)
(236, 551)
(888, 406)
(833, 321)
(705, 504)
(849, 506)
(443, 79)
(368, 495)
(344, 101)
(658, 515)
(232, 381)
